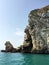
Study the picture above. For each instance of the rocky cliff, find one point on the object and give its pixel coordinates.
(36, 38)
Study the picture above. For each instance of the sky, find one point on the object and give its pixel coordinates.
(14, 19)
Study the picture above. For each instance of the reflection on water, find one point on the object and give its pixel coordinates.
(23, 59)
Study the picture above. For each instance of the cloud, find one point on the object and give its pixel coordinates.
(19, 32)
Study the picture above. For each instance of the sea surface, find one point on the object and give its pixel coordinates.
(23, 59)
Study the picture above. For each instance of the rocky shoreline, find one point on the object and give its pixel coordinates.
(36, 38)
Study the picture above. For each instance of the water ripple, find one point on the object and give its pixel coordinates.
(23, 59)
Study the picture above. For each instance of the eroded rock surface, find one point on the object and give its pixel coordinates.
(9, 48)
(27, 44)
(36, 38)
(38, 29)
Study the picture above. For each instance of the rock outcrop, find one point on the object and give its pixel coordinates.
(9, 48)
(38, 29)
(36, 38)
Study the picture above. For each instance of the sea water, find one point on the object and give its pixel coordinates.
(23, 59)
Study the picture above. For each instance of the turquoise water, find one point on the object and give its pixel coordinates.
(23, 59)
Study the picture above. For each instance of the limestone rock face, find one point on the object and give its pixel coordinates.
(37, 30)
